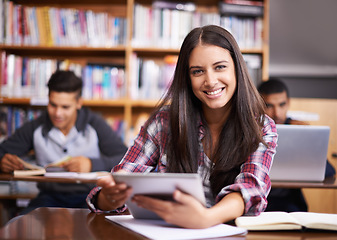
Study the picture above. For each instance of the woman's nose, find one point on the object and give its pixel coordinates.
(210, 79)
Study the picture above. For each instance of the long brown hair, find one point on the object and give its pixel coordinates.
(240, 135)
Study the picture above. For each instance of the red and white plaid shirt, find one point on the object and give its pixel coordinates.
(253, 180)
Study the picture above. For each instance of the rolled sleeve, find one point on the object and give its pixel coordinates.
(91, 201)
(253, 181)
(148, 149)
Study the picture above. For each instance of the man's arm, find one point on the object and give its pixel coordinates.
(19, 144)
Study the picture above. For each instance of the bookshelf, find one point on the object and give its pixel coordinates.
(123, 53)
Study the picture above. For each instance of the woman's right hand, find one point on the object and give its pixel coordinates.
(112, 195)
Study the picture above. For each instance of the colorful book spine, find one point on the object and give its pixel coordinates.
(27, 77)
(11, 118)
(51, 26)
(151, 78)
(160, 26)
(241, 8)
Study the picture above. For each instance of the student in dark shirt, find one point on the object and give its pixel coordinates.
(64, 129)
(276, 96)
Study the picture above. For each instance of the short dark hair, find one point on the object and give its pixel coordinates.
(65, 81)
(273, 85)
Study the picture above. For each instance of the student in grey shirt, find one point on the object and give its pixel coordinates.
(65, 129)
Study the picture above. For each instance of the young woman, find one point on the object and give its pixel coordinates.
(211, 122)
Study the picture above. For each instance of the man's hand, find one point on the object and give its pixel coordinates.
(78, 164)
(9, 163)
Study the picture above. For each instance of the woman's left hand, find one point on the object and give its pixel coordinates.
(185, 211)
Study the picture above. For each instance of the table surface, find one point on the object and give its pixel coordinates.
(330, 182)
(70, 223)
(11, 177)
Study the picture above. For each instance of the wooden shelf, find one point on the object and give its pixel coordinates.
(15, 101)
(64, 51)
(90, 103)
(66, 3)
(126, 108)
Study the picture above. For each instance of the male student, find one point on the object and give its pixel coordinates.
(65, 129)
(276, 96)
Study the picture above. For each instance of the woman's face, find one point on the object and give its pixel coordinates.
(212, 74)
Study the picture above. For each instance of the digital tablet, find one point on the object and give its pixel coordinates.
(159, 185)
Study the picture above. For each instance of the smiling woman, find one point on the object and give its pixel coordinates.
(212, 74)
(210, 122)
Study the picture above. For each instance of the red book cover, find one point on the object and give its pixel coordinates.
(3, 69)
(244, 2)
(19, 24)
(25, 27)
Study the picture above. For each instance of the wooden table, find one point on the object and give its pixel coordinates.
(10, 177)
(68, 223)
(330, 183)
(8, 202)
(327, 183)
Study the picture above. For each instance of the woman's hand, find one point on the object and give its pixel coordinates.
(185, 211)
(112, 195)
(188, 212)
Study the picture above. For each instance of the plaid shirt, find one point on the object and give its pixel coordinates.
(253, 180)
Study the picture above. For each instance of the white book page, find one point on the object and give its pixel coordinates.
(77, 175)
(316, 220)
(265, 219)
(159, 229)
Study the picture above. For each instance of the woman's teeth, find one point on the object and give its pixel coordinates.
(214, 92)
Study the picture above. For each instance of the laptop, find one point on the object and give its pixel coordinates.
(301, 153)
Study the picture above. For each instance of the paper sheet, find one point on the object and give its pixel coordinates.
(158, 229)
(88, 176)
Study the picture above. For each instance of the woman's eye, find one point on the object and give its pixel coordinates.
(196, 72)
(219, 67)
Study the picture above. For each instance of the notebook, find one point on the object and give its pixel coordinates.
(301, 153)
(159, 185)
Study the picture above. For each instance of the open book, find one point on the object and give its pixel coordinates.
(32, 169)
(288, 221)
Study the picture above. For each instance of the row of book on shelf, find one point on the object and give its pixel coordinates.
(150, 78)
(27, 77)
(12, 117)
(51, 26)
(23, 77)
(160, 24)
(157, 25)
